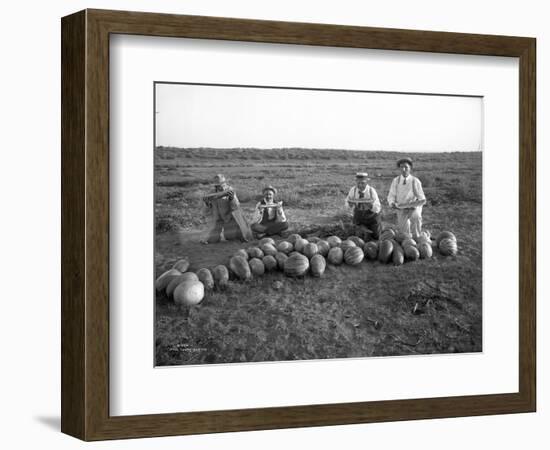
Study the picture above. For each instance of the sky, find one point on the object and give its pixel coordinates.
(259, 117)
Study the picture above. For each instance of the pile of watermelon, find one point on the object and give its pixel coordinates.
(296, 257)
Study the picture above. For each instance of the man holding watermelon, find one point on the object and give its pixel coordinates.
(364, 202)
(269, 216)
(407, 197)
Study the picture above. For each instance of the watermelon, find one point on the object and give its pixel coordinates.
(296, 265)
(242, 253)
(254, 252)
(310, 250)
(448, 247)
(270, 262)
(347, 244)
(398, 254)
(334, 241)
(371, 250)
(313, 239)
(293, 238)
(335, 256)
(239, 266)
(385, 250)
(408, 243)
(357, 240)
(387, 234)
(281, 258)
(175, 281)
(353, 256)
(268, 249)
(411, 253)
(318, 265)
(401, 236)
(285, 247)
(425, 250)
(206, 278)
(323, 247)
(163, 280)
(444, 235)
(266, 240)
(182, 265)
(221, 276)
(189, 293)
(256, 267)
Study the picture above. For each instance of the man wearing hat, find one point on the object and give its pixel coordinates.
(269, 217)
(407, 197)
(363, 200)
(221, 206)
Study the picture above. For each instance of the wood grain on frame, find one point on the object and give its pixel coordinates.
(85, 224)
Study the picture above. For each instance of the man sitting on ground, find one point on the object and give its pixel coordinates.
(363, 200)
(269, 217)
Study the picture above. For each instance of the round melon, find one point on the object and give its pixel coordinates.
(242, 253)
(300, 244)
(206, 278)
(310, 250)
(182, 265)
(411, 253)
(357, 240)
(401, 236)
(425, 250)
(293, 238)
(266, 240)
(334, 241)
(189, 293)
(448, 247)
(347, 244)
(422, 239)
(239, 266)
(270, 262)
(296, 266)
(174, 283)
(385, 250)
(221, 276)
(268, 249)
(444, 235)
(256, 267)
(313, 239)
(323, 247)
(354, 256)
(318, 265)
(254, 252)
(371, 250)
(281, 258)
(285, 247)
(335, 256)
(294, 253)
(398, 254)
(163, 280)
(387, 234)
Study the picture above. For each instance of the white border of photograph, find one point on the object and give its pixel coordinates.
(136, 387)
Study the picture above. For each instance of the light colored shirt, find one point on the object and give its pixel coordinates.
(368, 194)
(405, 190)
(276, 212)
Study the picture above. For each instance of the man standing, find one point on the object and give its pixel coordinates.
(407, 197)
(269, 216)
(364, 202)
(221, 206)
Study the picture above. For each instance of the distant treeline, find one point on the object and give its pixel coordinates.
(302, 154)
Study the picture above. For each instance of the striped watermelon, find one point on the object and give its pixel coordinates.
(347, 244)
(398, 254)
(409, 243)
(285, 247)
(300, 245)
(256, 267)
(293, 238)
(310, 250)
(323, 247)
(270, 262)
(239, 266)
(357, 240)
(254, 252)
(266, 240)
(281, 258)
(242, 253)
(371, 250)
(296, 266)
(387, 234)
(318, 265)
(448, 247)
(268, 249)
(353, 256)
(334, 241)
(444, 235)
(425, 250)
(221, 276)
(385, 250)
(401, 236)
(335, 256)
(411, 253)
(206, 278)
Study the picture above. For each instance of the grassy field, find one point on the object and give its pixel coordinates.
(351, 311)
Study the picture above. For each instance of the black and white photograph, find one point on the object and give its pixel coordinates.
(301, 223)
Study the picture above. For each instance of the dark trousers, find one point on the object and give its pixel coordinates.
(369, 219)
(270, 227)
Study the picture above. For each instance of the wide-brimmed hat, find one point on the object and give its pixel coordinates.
(219, 179)
(361, 175)
(269, 188)
(403, 160)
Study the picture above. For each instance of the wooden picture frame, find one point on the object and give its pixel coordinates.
(85, 224)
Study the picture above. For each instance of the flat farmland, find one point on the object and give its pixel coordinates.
(423, 307)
